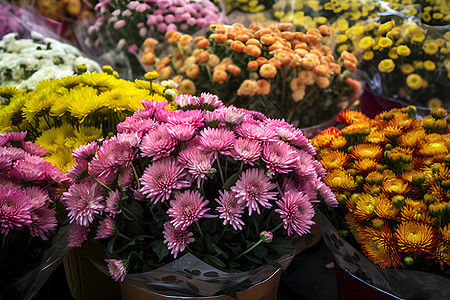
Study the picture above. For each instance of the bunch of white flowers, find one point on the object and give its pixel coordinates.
(25, 62)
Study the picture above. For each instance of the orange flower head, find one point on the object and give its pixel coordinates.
(220, 75)
(334, 160)
(202, 56)
(233, 69)
(298, 95)
(445, 232)
(165, 73)
(350, 57)
(322, 82)
(187, 87)
(411, 138)
(325, 30)
(284, 57)
(150, 43)
(364, 166)
(247, 88)
(338, 143)
(379, 247)
(340, 180)
(365, 207)
(253, 51)
(386, 209)
(414, 210)
(392, 131)
(415, 238)
(370, 151)
(308, 63)
(434, 149)
(203, 43)
(263, 87)
(267, 71)
(395, 186)
(321, 70)
(174, 38)
(275, 62)
(297, 85)
(148, 59)
(192, 71)
(348, 117)
(220, 38)
(324, 138)
(307, 77)
(185, 40)
(376, 137)
(443, 253)
(253, 65)
(242, 37)
(237, 46)
(267, 39)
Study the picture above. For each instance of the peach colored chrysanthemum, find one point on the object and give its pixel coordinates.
(340, 180)
(351, 116)
(395, 186)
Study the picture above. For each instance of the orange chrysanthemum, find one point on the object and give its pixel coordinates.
(352, 116)
(334, 160)
(364, 166)
(386, 209)
(445, 232)
(395, 186)
(392, 132)
(370, 151)
(365, 207)
(339, 180)
(436, 148)
(411, 139)
(443, 254)
(355, 227)
(324, 138)
(414, 210)
(379, 247)
(376, 137)
(374, 178)
(415, 238)
(338, 143)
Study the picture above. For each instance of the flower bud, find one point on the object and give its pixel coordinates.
(429, 198)
(438, 113)
(342, 199)
(408, 260)
(428, 122)
(377, 223)
(266, 236)
(440, 125)
(81, 69)
(108, 69)
(151, 75)
(398, 200)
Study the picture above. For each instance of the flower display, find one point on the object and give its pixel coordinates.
(215, 181)
(404, 61)
(124, 25)
(390, 177)
(25, 62)
(63, 114)
(28, 219)
(247, 6)
(270, 68)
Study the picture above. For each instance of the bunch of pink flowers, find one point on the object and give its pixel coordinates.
(215, 181)
(28, 188)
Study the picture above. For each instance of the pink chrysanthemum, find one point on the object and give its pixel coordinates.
(158, 143)
(138, 125)
(296, 212)
(3, 139)
(246, 150)
(150, 108)
(254, 188)
(279, 156)
(79, 170)
(117, 269)
(125, 178)
(199, 163)
(13, 153)
(85, 152)
(106, 228)
(232, 115)
(163, 177)
(33, 149)
(43, 221)
(325, 192)
(230, 209)
(304, 166)
(163, 115)
(16, 136)
(181, 132)
(216, 140)
(83, 200)
(112, 203)
(77, 235)
(190, 117)
(15, 209)
(176, 239)
(209, 101)
(214, 117)
(187, 208)
(320, 170)
(255, 130)
(29, 168)
(186, 100)
(38, 196)
(5, 162)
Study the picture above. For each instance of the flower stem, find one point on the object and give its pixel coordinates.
(199, 228)
(136, 176)
(220, 171)
(101, 183)
(257, 243)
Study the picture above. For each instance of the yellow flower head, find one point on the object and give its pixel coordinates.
(443, 253)
(418, 38)
(366, 43)
(414, 81)
(411, 138)
(368, 55)
(339, 180)
(374, 177)
(325, 137)
(384, 42)
(430, 48)
(370, 151)
(334, 160)
(403, 50)
(429, 65)
(341, 38)
(386, 209)
(365, 207)
(395, 186)
(386, 65)
(407, 69)
(393, 53)
(414, 210)
(385, 27)
(376, 137)
(434, 149)
(364, 166)
(415, 238)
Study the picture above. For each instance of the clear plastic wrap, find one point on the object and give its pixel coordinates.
(406, 284)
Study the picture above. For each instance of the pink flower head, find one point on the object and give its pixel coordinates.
(181, 132)
(79, 170)
(16, 136)
(230, 209)
(327, 195)
(29, 168)
(176, 239)
(320, 170)
(151, 107)
(15, 209)
(33, 149)
(85, 152)
(13, 153)
(209, 101)
(232, 115)
(304, 166)
(43, 222)
(294, 136)
(105, 229)
(279, 156)
(190, 117)
(3, 139)
(255, 130)
(216, 140)
(296, 212)
(5, 163)
(138, 125)
(253, 188)
(84, 201)
(117, 269)
(158, 143)
(163, 177)
(77, 234)
(246, 150)
(186, 101)
(112, 203)
(187, 208)
(38, 196)
(199, 163)
(125, 178)
(214, 117)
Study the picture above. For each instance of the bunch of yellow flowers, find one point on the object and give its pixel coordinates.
(62, 114)
(404, 61)
(391, 177)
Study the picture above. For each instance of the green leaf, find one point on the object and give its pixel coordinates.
(254, 259)
(260, 251)
(214, 261)
(110, 245)
(230, 181)
(219, 251)
(160, 249)
(281, 246)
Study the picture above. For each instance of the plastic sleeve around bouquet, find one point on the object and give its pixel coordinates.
(406, 284)
(190, 276)
(30, 284)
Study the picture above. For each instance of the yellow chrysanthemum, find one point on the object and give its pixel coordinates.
(386, 65)
(407, 69)
(414, 81)
(8, 92)
(403, 50)
(325, 137)
(385, 27)
(366, 43)
(384, 42)
(357, 132)
(429, 65)
(339, 180)
(445, 232)
(414, 210)
(62, 159)
(415, 238)
(386, 209)
(379, 247)
(365, 207)
(341, 38)
(83, 102)
(436, 148)
(430, 48)
(443, 253)
(370, 151)
(411, 138)
(338, 143)
(364, 166)
(368, 55)
(334, 160)
(393, 53)
(376, 137)
(395, 186)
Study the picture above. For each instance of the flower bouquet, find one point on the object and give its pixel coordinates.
(390, 176)
(199, 199)
(122, 26)
(28, 216)
(269, 68)
(405, 62)
(25, 62)
(63, 114)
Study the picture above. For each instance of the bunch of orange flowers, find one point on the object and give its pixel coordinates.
(271, 68)
(391, 176)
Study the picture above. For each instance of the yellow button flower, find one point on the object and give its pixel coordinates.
(429, 65)
(386, 65)
(384, 42)
(366, 43)
(368, 55)
(407, 69)
(414, 81)
(403, 50)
